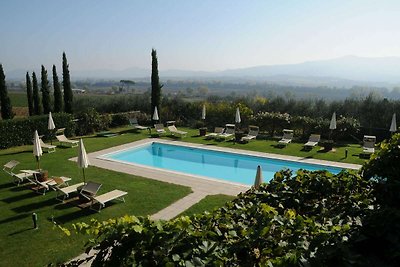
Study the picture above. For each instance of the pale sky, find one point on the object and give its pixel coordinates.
(193, 34)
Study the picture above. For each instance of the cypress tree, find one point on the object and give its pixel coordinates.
(155, 82)
(5, 102)
(29, 94)
(57, 92)
(45, 88)
(37, 107)
(68, 98)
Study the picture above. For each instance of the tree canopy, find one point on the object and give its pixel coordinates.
(5, 102)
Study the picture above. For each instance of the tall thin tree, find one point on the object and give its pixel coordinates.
(37, 106)
(155, 82)
(29, 94)
(45, 88)
(68, 97)
(5, 102)
(57, 92)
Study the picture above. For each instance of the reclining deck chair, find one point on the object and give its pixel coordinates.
(287, 138)
(160, 128)
(253, 132)
(46, 147)
(106, 197)
(134, 123)
(172, 129)
(228, 134)
(369, 144)
(217, 131)
(312, 141)
(18, 178)
(64, 141)
(89, 190)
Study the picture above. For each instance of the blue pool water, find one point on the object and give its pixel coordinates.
(226, 166)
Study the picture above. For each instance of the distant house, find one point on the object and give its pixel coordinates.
(78, 91)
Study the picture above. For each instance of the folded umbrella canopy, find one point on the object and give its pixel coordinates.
(155, 114)
(37, 149)
(332, 125)
(83, 161)
(237, 117)
(51, 126)
(203, 113)
(393, 125)
(259, 177)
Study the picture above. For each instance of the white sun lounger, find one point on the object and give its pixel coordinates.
(287, 137)
(253, 132)
(64, 141)
(66, 191)
(228, 134)
(134, 123)
(104, 198)
(312, 141)
(175, 131)
(18, 177)
(217, 131)
(46, 147)
(160, 128)
(369, 144)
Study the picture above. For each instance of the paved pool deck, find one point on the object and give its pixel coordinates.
(200, 186)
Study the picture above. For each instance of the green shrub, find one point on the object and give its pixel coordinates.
(91, 121)
(19, 131)
(301, 220)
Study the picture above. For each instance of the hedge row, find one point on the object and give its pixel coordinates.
(19, 132)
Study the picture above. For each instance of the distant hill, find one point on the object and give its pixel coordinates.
(340, 72)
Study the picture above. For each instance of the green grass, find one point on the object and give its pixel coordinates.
(208, 203)
(22, 246)
(18, 99)
(293, 149)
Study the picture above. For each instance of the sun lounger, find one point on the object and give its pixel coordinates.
(90, 190)
(104, 198)
(106, 134)
(312, 141)
(228, 134)
(287, 137)
(253, 132)
(134, 123)
(46, 147)
(217, 131)
(172, 129)
(160, 128)
(66, 191)
(18, 177)
(369, 144)
(64, 141)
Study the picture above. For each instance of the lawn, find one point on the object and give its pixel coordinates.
(22, 246)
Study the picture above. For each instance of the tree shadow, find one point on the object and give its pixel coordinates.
(21, 231)
(19, 197)
(34, 206)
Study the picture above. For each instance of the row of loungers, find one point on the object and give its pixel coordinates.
(64, 190)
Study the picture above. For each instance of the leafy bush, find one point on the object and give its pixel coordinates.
(91, 121)
(19, 131)
(300, 220)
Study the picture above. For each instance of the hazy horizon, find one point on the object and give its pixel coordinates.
(193, 35)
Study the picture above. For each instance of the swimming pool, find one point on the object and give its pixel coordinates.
(226, 166)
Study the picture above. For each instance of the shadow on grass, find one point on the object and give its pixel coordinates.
(35, 206)
(3, 186)
(21, 231)
(19, 197)
(73, 216)
(15, 218)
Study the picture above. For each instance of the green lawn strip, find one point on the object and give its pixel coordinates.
(22, 246)
(18, 99)
(293, 149)
(208, 203)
